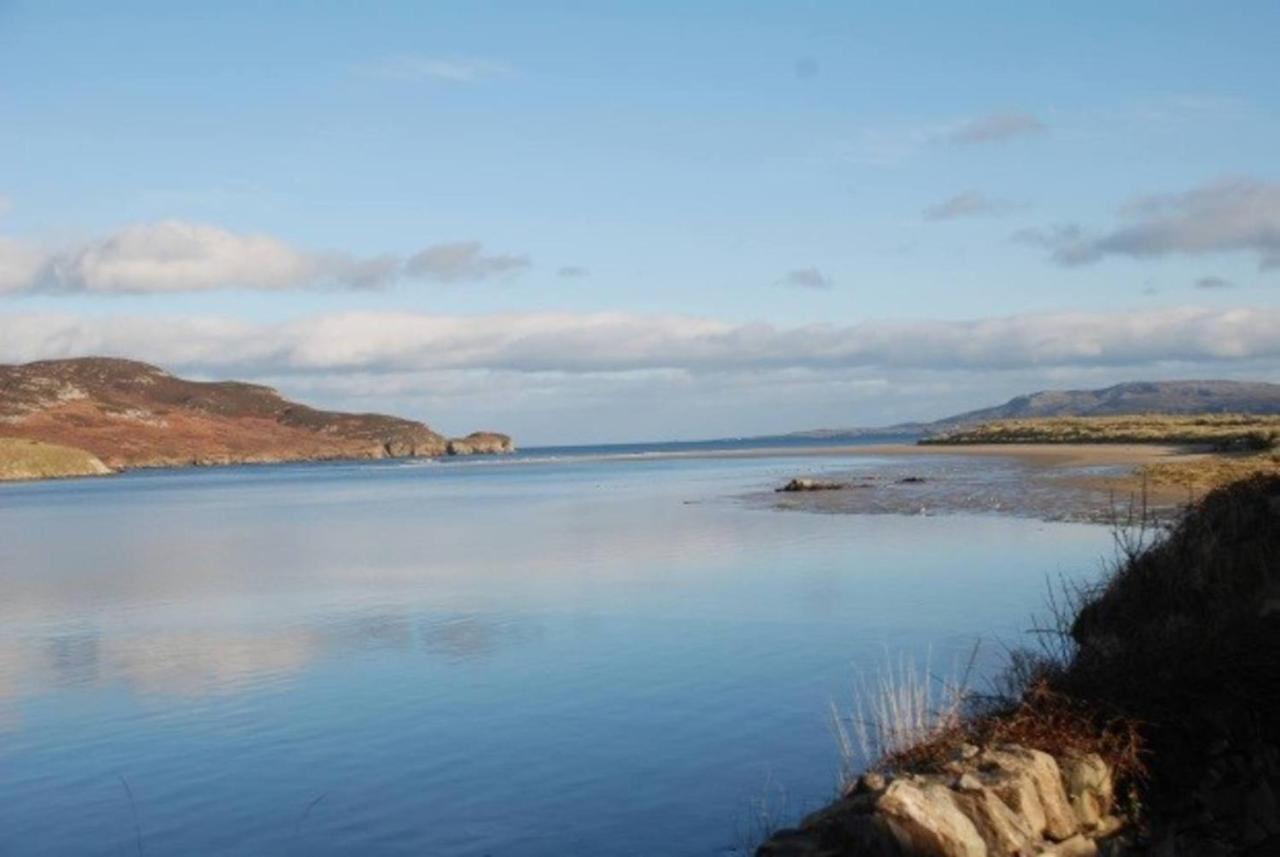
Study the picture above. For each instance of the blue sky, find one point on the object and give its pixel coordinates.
(596, 221)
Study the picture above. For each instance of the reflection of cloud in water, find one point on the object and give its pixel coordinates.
(211, 661)
(194, 663)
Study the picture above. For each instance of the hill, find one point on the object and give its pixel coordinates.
(127, 414)
(1129, 399)
(1138, 397)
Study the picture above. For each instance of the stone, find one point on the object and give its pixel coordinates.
(1005, 833)
(801, 484)
(925, 820)
(1077, 846)
(1089, 787)
(871, 781)
(967, 782)
(1030, 783)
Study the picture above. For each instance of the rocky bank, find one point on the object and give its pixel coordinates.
(1154, 731)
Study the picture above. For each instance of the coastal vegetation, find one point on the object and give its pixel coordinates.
(30, 459)
(1143, 723)
(1220, 432)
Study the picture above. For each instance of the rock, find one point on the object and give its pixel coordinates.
(480, 443)
(926, 821)
(809, 485)
(1005, 833)
(1029, 782)
(967, 782)
(1077, 846)
(871, 781)
(912, 480)
(1089, 789)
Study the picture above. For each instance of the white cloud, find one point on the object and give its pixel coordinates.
(994, 128)
(20, 265)
(462, 261)
(582, 344)
(1231, 215)
(445, 69)
(559, 377)
(177, 256)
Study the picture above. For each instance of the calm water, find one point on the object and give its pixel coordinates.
(564, 654)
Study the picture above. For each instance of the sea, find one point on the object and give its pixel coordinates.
(617, 650)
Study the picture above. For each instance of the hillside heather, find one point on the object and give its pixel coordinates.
(1145, 725)
(127, 414)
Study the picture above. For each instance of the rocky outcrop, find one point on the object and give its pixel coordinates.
(481, 443)
(127, 414)
(801, 484)
(1006, 801)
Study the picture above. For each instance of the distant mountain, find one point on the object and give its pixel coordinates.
(128, 414)
(1136, 397)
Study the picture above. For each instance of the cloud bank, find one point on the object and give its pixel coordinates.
(603, 343)
(461, 261)
(177, 256)
(1240, 215)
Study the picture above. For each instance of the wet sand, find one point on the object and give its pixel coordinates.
(1071, 482)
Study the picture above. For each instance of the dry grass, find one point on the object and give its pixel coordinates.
(1173, 652)
(1218, 431)
(28, 459)
(904, 710)
(1204, 474)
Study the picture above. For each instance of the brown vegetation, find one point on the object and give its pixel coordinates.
(1226, 432)
(129, 414)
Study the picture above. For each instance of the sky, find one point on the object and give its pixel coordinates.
(590, 222)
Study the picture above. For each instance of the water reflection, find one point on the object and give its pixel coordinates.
(525, 661)
(228, 660)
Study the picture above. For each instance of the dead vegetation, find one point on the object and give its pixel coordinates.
(1157, 668)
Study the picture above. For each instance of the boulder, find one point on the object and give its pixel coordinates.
(1005, 833)
(1030, 783)
(810, 485)
(925, 820)
(1087, 779)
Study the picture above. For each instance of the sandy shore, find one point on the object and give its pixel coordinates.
(1045, 454)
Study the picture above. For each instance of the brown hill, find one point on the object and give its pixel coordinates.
(130, 414)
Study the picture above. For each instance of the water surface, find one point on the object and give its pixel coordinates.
(601, 652)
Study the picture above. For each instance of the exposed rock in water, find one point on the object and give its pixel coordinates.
(125, 414)
(810, 485)
(481, 443)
